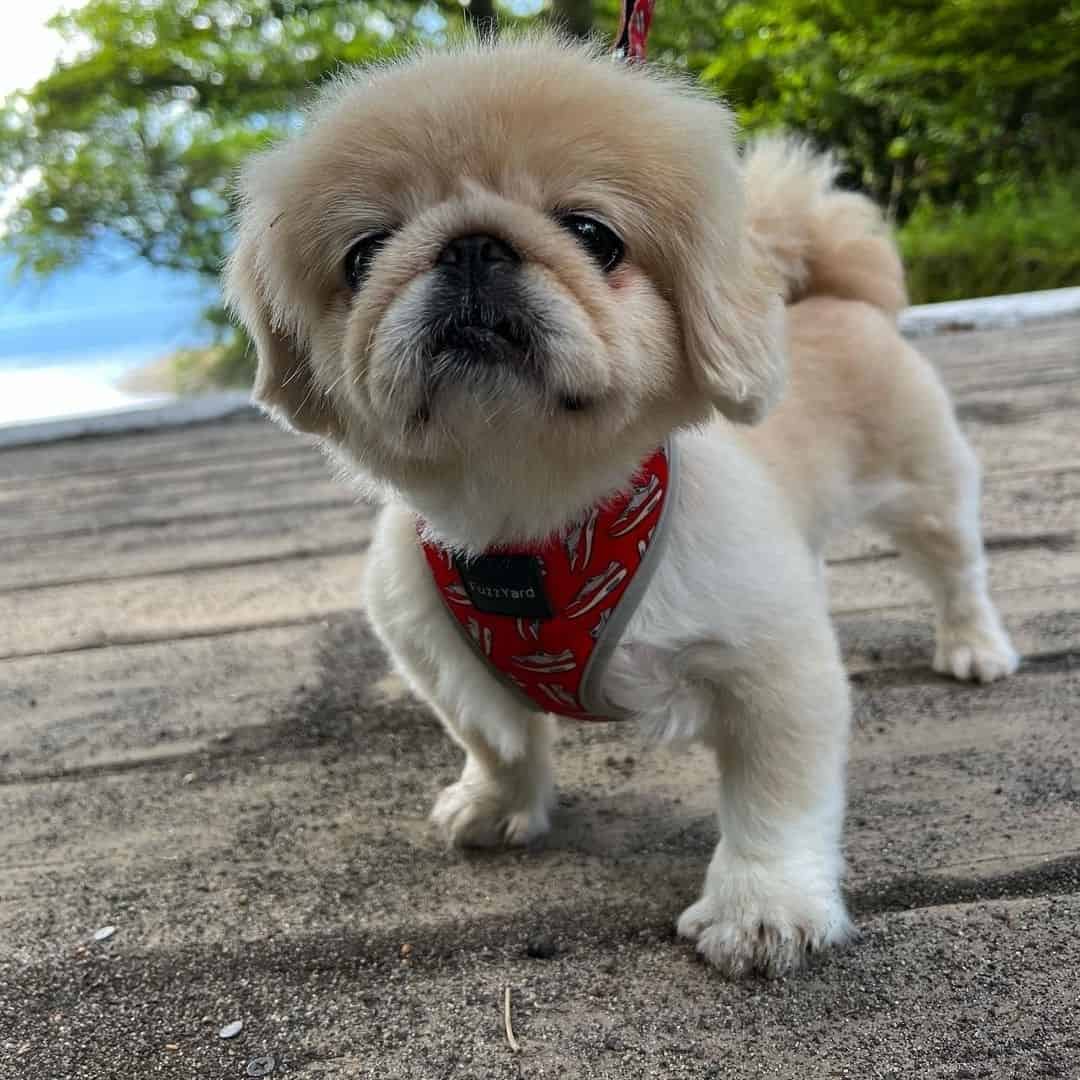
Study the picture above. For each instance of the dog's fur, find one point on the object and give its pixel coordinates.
(753, 292)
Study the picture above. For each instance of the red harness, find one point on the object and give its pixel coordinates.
(547, 617)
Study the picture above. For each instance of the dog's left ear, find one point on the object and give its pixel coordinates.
(733, 326)
(727, 295)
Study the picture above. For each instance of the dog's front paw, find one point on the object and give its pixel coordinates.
(757, 920)
(979, 651)
(480, 813)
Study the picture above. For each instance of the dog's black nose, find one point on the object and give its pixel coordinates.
(477, 254)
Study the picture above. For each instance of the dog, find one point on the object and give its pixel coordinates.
(493, 280)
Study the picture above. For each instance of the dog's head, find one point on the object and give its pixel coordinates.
(521, 252)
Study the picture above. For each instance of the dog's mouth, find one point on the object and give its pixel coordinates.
(480, 347)
(567, 403)
(494, 353)
(483, 337)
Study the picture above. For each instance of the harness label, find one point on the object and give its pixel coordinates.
(506, 585)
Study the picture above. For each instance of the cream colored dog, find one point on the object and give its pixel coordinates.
(639, 281)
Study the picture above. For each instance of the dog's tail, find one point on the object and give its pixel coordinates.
(820, 240)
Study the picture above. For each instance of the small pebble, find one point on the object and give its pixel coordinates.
(230, 1031)
(406, 951)
(104, 933)
(261, 1066)
(188, 777)
(541, 949)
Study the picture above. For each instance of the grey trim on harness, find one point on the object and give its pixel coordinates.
(589, 692)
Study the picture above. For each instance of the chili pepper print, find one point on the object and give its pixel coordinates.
(643, 545)
(456, 594)
(644, 500)
(481, 635)
(579, 543)
(545, 663)
(596, 590)
(560, 695)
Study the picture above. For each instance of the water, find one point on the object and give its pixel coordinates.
(67, 342)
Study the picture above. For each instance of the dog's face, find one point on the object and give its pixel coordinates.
(516, 250)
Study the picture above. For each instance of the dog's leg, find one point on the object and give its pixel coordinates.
(506, 790)
(934, 522)
(497, 801)
(772, 889)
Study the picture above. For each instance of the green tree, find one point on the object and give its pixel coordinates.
(928, 100)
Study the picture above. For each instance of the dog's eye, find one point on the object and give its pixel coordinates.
(358, 260)
(596, 238)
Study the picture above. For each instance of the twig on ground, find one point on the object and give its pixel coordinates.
(506, 1022)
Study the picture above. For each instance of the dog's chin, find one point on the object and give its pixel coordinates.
(480, 354)
(500, 387)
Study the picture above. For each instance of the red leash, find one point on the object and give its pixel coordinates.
(634, 29)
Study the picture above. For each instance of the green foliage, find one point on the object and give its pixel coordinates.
(1019, 239)
(229, 363)
(927, 99)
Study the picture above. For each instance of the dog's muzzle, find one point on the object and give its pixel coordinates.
(479, 315)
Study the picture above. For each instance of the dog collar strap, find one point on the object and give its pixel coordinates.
(547, 617)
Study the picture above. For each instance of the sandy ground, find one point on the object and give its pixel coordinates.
(200, 746)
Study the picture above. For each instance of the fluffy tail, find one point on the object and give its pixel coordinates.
(821, 241)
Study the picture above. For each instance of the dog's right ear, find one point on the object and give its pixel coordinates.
(284, 383)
